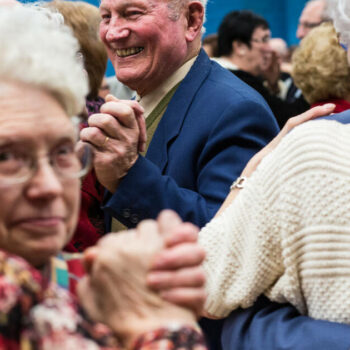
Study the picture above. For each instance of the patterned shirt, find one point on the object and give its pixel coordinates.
(37, 313)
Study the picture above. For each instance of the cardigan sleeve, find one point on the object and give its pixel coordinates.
(243, 244)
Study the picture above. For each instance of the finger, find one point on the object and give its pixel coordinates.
(139, 113)
(182, 255)
(110, 98)
(319, 111)
(188, 277)
(93, 136)
(147, 229)
(109, 125)
(143, 132)
(132, 103)
(89, 257)
(122, 112)
(191, 298)
(167, 221)
(184, 233)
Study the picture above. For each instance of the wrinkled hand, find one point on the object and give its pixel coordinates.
(312, 113)
(118, 134)
(253, 163)
(176, 271)
(115, 292)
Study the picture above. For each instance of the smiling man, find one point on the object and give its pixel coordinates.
(203, 124)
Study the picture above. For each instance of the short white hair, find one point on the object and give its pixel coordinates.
(175, 6)
(339, 11)
(36, 48)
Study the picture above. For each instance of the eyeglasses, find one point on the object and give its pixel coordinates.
(68, 160)
(263, 40)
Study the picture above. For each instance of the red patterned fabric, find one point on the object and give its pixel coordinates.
(91, 218)
(340, 104)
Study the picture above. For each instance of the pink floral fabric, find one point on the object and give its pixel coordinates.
(36, 313)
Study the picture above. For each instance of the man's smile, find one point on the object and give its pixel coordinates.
(129, 52)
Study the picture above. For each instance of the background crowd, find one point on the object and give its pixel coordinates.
(206, 126)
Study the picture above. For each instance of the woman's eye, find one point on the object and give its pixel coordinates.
(65, 150)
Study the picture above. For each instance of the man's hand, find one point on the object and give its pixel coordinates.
(176, 271)
(272, 72)
(117, 134)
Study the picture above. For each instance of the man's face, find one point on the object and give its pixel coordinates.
(310, 18)
(259, 55)
(143, 42)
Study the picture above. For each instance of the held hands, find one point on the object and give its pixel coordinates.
(117, 134)
(115, 291)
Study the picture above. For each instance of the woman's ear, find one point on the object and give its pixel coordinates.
(195, 18)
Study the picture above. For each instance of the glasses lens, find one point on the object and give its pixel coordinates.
(73, 162)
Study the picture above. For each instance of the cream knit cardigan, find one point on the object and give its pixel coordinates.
(287, 233)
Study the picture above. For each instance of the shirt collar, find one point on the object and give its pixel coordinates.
(224, 62)
(151, 100)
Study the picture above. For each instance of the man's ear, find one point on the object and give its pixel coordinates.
(195, 18)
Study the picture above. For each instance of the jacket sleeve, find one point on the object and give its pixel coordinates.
(273, 326)
(239, 132)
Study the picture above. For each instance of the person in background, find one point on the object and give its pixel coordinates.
(43, 85)
(84, 19)
(210, 45)
(243, 49)
(321, 70)
(104, 89)
(313, 14)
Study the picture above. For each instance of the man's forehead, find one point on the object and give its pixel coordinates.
(107, 4)
(313, 11)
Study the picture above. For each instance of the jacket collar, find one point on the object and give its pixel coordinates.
(174, 116)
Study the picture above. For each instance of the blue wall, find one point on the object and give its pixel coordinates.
(282, 16)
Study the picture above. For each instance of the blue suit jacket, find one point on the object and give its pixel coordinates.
(273, 326)
(212, 126)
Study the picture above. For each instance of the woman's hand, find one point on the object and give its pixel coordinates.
(115, 291)
(319, 111)
(176, 271)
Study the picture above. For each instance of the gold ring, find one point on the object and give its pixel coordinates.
(105, 141)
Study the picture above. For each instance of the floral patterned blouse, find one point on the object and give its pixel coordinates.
(40, 313)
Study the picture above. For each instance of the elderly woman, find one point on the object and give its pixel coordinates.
(286, 234)
(42, 84)
(320, 69)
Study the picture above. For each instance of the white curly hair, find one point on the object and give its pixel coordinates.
(38, 49)
(339, 12)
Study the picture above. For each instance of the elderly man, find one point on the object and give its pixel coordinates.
(312, 16)
(203, 124)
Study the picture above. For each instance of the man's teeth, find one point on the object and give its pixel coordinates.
(129, 52)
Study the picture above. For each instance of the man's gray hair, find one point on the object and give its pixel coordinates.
(339, 11)
(38, 49)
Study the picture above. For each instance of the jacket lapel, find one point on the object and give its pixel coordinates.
(173, 118)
